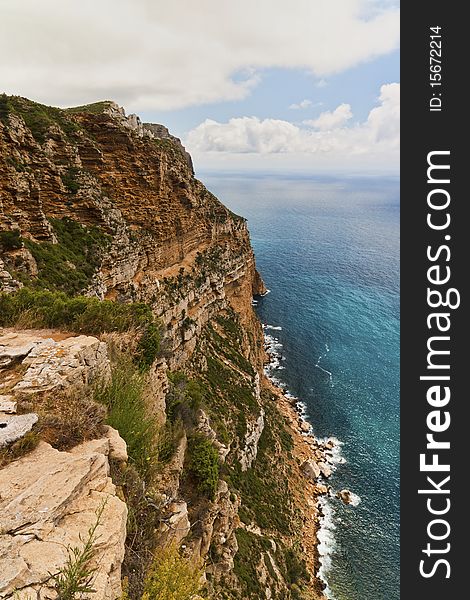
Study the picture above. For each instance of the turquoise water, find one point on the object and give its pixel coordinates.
(328, 250)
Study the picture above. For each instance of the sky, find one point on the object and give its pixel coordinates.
(252, 85)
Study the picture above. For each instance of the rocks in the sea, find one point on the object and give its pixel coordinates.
(345, 496)
(304, 426)
(324, 469)
(322, 489)
(311, 469)
(14, 427)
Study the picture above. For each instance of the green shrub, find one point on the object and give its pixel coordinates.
(10, 240)
(124, 396)
(69, 179)
(37, 117)
(149, 345)
(247, 559)
(172, 577)
(295, 567)
(42, 308)
(4, 108)
(95, 108)
(264, 489)
(81, 313)
(70, 264)
(204, 464)
(184, 398)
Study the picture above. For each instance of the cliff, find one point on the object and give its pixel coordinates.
(127, 293)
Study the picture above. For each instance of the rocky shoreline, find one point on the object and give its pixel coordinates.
(317, 459)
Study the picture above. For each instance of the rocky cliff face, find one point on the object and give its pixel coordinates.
(96, 203)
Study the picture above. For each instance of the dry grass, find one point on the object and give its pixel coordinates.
(69, 418)
(66, 417)
(18, 449)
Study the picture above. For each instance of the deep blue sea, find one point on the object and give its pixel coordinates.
(328, 250)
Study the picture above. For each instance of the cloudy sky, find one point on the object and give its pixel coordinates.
(310, 85)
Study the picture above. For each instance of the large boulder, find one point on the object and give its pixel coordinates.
(48, 503)
(77, 360)
(310, 469)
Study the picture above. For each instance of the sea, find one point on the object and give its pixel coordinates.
(328, 250)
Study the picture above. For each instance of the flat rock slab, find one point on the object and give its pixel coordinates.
(51, 364)
(48, 502)
(14, 427)
(15, 346)
(311, 469)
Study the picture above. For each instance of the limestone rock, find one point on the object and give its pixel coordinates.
(205, 428)
(174, 525)
(50, 364)
(218, 526)
(48, 503)
(311, 469)
(15, 346)
(7, 404)
(252, 436)
(345, 496)
(325, 469)
(117, 446)
(14, 427)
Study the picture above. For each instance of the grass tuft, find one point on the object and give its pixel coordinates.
(124, 396)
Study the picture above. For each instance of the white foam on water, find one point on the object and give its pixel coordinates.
(326, 531)
(317, 364)
(335, 454)
(326, 541)
(355, 499)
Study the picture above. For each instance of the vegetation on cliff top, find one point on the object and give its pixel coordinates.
(95, 108)
(82, 314)
(37, 117)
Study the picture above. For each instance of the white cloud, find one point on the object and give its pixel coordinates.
(155, 54)
(303, 104)
(332, 119)
(245, 134)
(321, 83)
(372, 142)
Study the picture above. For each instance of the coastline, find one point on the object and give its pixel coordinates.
(318, 525)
